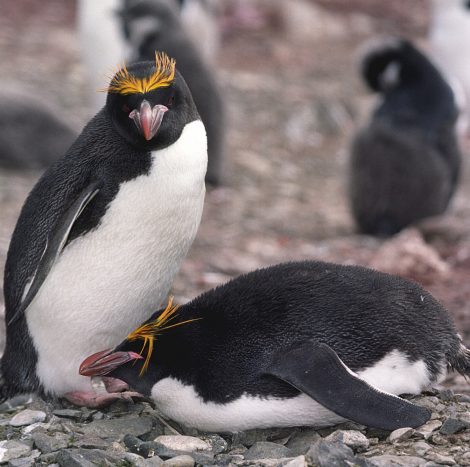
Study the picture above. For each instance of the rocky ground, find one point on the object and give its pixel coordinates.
(294, 102)
(134, 434)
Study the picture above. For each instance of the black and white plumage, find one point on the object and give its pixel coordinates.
(103, 232)
(33, 134)
(127, 31)
(277, 347)
(405, 163)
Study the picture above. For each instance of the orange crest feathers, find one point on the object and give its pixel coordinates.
(149, 331)
(124, 83)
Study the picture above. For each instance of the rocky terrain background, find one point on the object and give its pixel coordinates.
(294, 101)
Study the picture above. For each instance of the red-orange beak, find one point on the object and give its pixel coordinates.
(102, 363)
(148, 119)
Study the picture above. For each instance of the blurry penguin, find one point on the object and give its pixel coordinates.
(405, 164)
(449, 37)
(306, 343)
(104, 231)
(134, 29)
(33, 135)
(153, 25)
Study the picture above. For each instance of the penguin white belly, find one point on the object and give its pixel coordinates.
(394, 374)
(105, 283)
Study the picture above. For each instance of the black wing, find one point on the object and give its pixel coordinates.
(56, 240)
(316, 370)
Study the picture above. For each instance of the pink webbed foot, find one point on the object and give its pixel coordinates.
(100, 400)
(114, 385)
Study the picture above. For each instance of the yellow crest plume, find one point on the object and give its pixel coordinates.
(149, 331)
(124, 83)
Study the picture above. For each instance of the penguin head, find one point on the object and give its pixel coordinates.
(135, 360)
(149, 103)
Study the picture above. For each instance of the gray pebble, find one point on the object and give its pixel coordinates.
(179, 461)
(440, 459)
(452, 426)
(13, 450)
(401, 434)
(267, 450)
(332, 454)
(69, 413)
(300, 442)
(28, 417)
(354, 439)
(116, 428)
(388, 460)
(183, 443)
(46, 443)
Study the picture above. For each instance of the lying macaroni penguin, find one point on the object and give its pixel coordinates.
(104, 231)
(295, 344)
(405, 163)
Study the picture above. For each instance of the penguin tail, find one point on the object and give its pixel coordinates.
(381, 63)
(460, 361)
(4, 393)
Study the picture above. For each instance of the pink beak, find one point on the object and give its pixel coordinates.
(148, 119)
(102, 363)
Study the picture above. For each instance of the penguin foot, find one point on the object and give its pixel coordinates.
(94, 400)
(114, 385)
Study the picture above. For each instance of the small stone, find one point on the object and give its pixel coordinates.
(440, 459)
(298, 461)
(216, 442)
(69, 413)
(421, 448)
(86, 458)
(183, 443)
(13, 450)
(46, 443)
(15, 402)
(352, 438)
(267, 450)
(179, 461)
(25, 461)
(428, 428)
(138, 461)
(28, 417)
(301, 441)
(462, 398)
(446, 395)
(132, 443)
(452, 426)
(90, 442)
(35, 427)
(228, 459)
(116, 428)
(400, 435)
(388, 460)
(324, 454)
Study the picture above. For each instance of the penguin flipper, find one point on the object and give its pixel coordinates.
(55, 244)
(316, 370)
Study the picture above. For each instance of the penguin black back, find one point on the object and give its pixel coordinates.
(405, 163)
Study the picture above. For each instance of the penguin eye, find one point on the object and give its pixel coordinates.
(125, 108)
(170, 100)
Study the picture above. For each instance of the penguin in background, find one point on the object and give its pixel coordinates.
(405, 163)
(103, 233)
(127, 31)
(449, 37)
(306, 343)
(33, 135)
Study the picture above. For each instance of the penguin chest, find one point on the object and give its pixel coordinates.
(183, 404)
(108, 281)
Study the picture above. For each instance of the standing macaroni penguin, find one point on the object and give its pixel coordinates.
(405, 163)
(103, 233)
